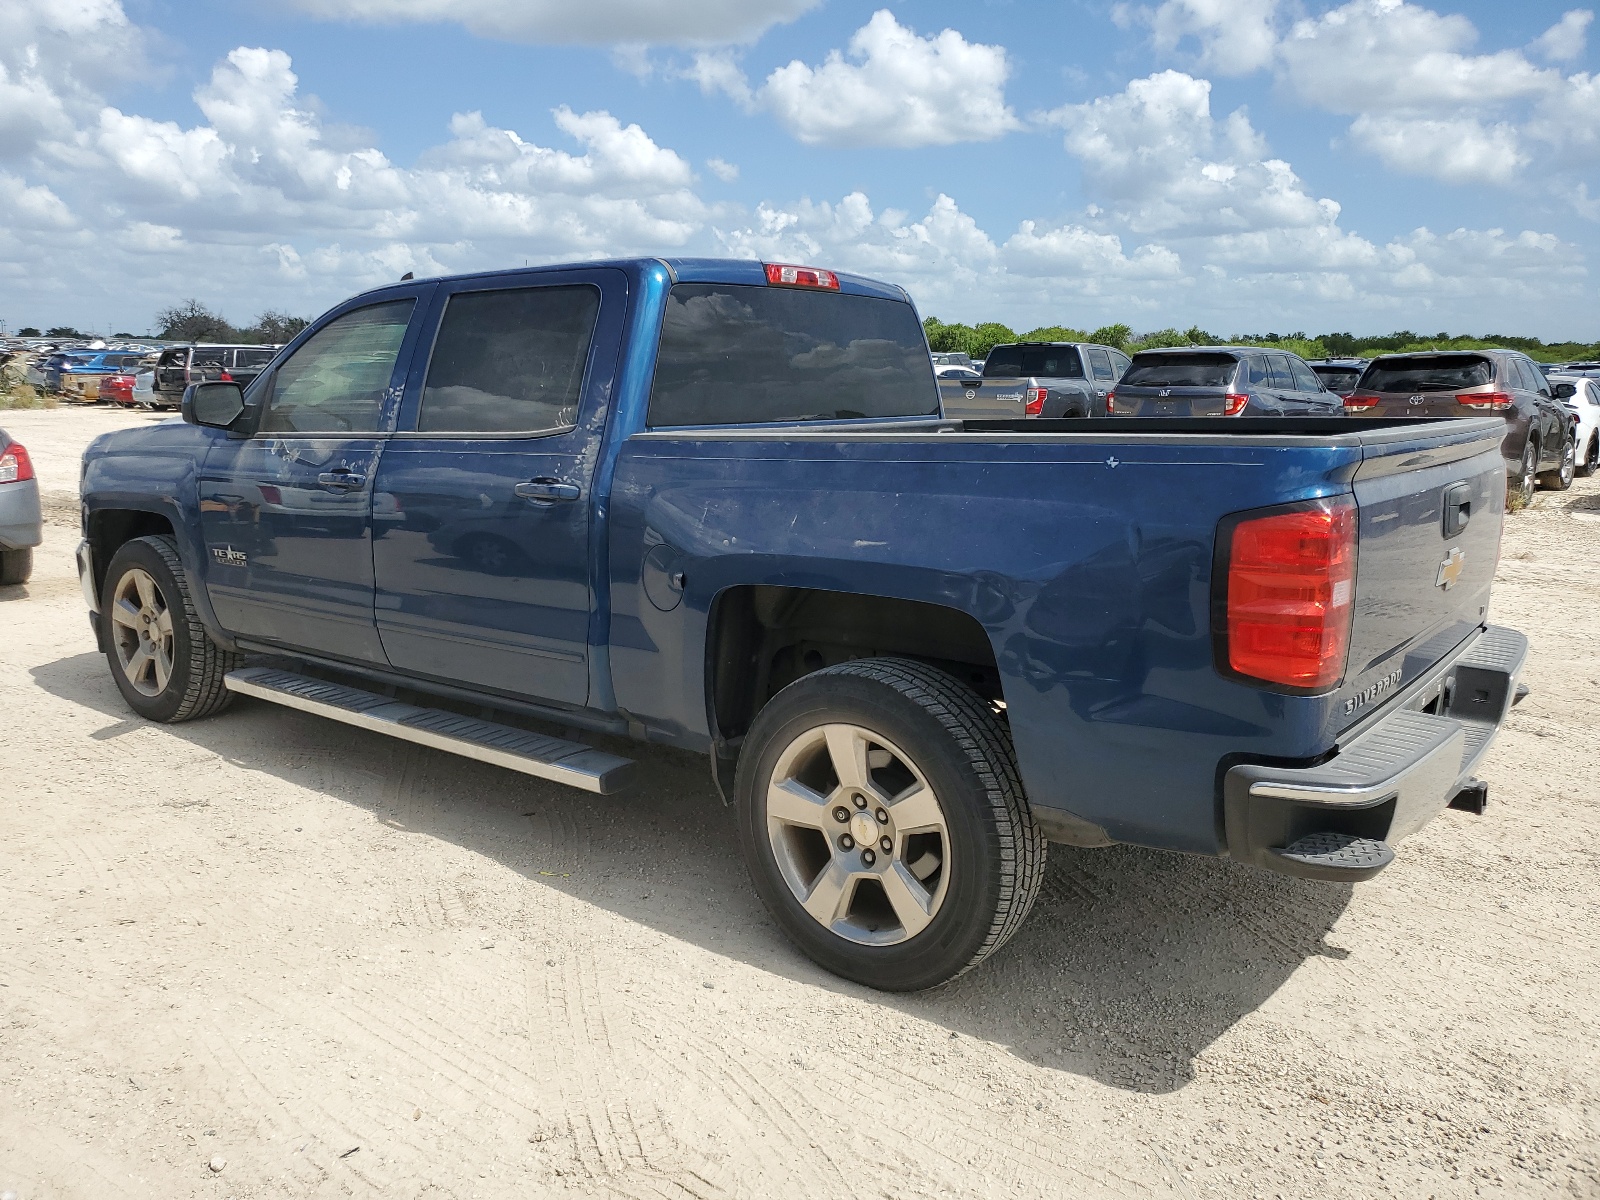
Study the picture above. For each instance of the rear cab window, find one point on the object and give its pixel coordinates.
(739, 354)
(1427, 373)
(1181, 369)
(1045, 362)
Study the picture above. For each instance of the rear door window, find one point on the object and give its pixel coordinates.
(736, 354)
(252, 360)
(1427, 373)
(336, 382)
(1304, 377)
(1259, 376)
(1100, 363)
(1180, 370)
(1045, 362)
(510, 361)
(1281, 376)
(1119, 363)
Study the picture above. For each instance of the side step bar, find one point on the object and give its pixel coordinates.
(550, 758)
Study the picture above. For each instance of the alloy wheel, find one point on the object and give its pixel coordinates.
(858, 834)
(1530, 471)
(1569, 463)
(141, 631)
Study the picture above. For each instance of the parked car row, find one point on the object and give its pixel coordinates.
(136, 376)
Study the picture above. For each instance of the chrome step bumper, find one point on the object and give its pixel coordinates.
(1389, 781)
(561, 761)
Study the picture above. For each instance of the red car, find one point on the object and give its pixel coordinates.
(118, 389)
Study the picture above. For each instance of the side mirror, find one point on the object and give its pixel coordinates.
(1562, 390)
(217, 405)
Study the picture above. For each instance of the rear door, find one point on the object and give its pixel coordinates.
(1281, 394)
(1102, 375)
(287, 513)
(1314, 398)
(484, 501)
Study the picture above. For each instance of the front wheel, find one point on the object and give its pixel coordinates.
(1560, 479)
(884, 824)
(162, 660)
(1520, 487)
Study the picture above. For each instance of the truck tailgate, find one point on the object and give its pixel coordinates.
(1430, 517)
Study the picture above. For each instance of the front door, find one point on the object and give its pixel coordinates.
(287, 512)
(483, 499)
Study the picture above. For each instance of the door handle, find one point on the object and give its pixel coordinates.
(341, 480)
(547, 491)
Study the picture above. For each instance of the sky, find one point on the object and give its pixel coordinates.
(1244, 165)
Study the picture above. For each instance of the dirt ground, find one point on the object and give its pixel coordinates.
(266, 956)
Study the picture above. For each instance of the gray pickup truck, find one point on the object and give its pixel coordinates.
(1037, 379)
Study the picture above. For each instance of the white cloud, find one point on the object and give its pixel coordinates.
(895, 89)
(1566, 39)
(1456, 151)
(594, 23)
(719, 71)
(722, 169)
(1234, 37)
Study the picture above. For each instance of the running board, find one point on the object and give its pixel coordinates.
(550, 758)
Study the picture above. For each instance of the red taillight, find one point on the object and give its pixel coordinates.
(1233, 403)
(1486, 400)
(1291, 580)
(1035, 401)
(1361, 400)
(224, 378)
(1111, 404)
(15, 465)
(780, 275)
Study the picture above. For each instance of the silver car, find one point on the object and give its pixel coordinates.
(21, 523)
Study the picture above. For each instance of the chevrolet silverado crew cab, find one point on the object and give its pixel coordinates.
(713, 504)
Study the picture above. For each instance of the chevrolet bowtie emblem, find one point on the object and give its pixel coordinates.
(1450, 569)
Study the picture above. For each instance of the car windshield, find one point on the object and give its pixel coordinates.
(1180, 370)
(1427, 373)
(1048, 362)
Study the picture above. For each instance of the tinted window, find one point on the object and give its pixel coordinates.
(738, 354)
(1536, 379)
(1100, 364)
(1119, 363)
(1338, 379)
(1157, 369)
(1427, 373)
(335, 382)
(1281, 375)
(510, 361)
(1047, 362)
(1258, 373)
(249, 360)
(1304, 377)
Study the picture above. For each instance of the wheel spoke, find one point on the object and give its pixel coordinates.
(915, 810)
(847, 748)
(147, 591)
(164, 624)
(138, 661)
(831, 893)
(125, 613)
(161, 657)
(909, 899)
(795, 804)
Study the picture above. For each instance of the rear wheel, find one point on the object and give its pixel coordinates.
(884, 825)
(1520, 487)
(1589, 456)
(162, 660)
(1560, 479)
(15, 566)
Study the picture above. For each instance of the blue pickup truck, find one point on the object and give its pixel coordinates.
(713, 504)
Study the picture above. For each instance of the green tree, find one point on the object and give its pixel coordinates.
(277, 327)
(989, 335)
(1055, 333)
(1112, 335)
(191, 321)
(63, 331)
(27, 331)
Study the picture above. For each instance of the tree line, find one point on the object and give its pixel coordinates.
(978, 340)
(192, 321)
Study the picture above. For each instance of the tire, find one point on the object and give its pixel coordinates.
(162, 660)
(16, 566)
(1520, 486)
(1589, 456)
(966, 857)
(1560, 479)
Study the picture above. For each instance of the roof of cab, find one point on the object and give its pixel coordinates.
(680, 270)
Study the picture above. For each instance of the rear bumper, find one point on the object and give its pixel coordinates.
(1394, 776)
(21, 521)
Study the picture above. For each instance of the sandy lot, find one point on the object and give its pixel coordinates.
(269, 956)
